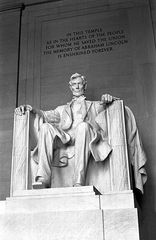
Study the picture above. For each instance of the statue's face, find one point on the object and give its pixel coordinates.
(77, 87)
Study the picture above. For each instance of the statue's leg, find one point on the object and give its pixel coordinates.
(46, 145)
(83, 137)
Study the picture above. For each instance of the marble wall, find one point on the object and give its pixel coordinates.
(127, 71)
(9, 27)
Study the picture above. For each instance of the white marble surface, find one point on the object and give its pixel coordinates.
(68, 199)
(84, 225)
(70, 214)
(121, 224)
(48, 204)
(57, 191)
(2, 207)
(117, 200)
(54, 199)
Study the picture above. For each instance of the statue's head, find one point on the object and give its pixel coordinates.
(77, 84)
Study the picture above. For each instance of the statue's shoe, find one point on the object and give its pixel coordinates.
(77, 185)
(40, 184)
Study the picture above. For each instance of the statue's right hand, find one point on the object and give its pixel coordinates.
(22, 109)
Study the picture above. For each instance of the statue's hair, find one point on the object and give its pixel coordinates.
(77, 75)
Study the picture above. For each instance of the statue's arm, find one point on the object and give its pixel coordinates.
(51, 116)
(22, 109)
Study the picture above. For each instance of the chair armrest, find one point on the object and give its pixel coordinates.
(119, 162)
(20, 153)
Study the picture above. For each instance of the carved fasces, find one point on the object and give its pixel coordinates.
(20, 152)
(119, 163)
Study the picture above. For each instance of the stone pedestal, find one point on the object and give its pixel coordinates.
(69, 214)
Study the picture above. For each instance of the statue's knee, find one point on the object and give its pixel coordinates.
(84, 126)
(45, 127)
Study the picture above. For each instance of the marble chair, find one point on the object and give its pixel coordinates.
(111, 175)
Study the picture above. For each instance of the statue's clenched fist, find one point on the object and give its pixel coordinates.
(107, 98)
(22, 109)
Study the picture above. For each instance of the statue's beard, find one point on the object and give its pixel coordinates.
(78, 94)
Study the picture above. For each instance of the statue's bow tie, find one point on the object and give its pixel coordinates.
(80, 99)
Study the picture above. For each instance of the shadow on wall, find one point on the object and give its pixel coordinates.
(146, 209)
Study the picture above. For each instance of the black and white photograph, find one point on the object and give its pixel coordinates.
(77, 119)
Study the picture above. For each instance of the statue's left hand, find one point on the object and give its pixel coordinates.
(107, 98)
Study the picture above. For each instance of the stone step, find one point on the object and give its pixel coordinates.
(54, 199)
(114, 224)
(2, 207)
(66, 191)
(117, 200)
(69, 225)
(68, 199)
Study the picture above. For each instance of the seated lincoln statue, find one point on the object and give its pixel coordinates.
(80, 125)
